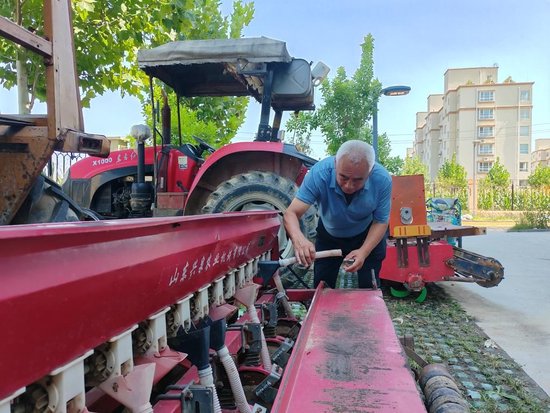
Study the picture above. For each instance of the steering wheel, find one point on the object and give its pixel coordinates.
(203, 146)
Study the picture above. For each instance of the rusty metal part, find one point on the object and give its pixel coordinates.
(472, 267)
(432, 370)
(446, 229)
(440, 390)
(407, 342)
(22, 158)
(27, 142)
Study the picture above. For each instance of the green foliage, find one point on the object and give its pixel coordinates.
(452, 182)
(348, 105)
(299, 131)
(108, 34)
(498, 176)
(414, 166)
(534, 220)
(452, 173)
(540, 178)
(508, 199)
(394, 164)
(213, 119)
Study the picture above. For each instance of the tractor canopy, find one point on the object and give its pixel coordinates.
(232, 67)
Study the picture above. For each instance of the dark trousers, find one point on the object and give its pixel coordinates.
(326, 269)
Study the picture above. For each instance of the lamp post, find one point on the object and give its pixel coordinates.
(387, 91)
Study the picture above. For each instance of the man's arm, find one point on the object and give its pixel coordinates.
(303, 248)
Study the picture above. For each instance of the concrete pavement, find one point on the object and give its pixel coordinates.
(516, 313)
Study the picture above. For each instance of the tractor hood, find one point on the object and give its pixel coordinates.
(232, 67)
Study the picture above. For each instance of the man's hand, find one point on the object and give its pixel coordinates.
(304, 250)
(374, 236)
(354, 260)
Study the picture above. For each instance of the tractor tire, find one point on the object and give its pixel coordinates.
(262, 191)
(46, 202)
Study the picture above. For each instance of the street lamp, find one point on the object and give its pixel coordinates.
(387, 91)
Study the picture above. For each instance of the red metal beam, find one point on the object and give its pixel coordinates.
(66, 288)
(347, 359)
(437, 270)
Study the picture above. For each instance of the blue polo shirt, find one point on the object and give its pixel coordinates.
(371, 203)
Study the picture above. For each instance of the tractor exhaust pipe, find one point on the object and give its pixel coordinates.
(166, 115)
(141, 195)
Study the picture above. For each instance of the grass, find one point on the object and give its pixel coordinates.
(444, 333)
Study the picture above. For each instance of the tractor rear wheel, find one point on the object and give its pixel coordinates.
(261, 191)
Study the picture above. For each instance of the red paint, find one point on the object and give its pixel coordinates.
(439, 252)
(68, 287)
(347, 358)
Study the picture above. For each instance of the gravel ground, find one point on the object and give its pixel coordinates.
(489, 379)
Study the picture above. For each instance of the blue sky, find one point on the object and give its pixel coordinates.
(415, 43)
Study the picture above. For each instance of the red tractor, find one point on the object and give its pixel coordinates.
(177, 180)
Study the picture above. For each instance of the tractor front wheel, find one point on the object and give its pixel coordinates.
(261, 191)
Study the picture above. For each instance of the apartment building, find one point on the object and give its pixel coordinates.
(541, 154)
(479, 120)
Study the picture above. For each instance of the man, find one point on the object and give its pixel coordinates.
(353, 195)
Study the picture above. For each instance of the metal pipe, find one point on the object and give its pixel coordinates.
(263, 129)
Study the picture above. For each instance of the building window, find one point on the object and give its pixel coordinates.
(484, 166)
(483, 114)
(485, 131)
(523, 182)
(524, 131)
(524, 148)
(485, 149)
(486, 95)
(524, 166)
(524, 95)
(525, 113)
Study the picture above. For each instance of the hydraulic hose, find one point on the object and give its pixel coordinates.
(234, 380)
(264, 353)
(206, 378)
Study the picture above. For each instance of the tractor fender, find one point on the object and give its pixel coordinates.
(236, 158)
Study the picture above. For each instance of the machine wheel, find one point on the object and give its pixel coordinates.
(261, 191)
(47, 203)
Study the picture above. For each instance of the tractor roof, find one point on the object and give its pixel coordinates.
(231, 67)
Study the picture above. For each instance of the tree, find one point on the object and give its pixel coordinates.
(348, 105)
(299, 130)
(498, 177)
(540, 178)
(414, 166)
(451, 180)
(451, 173)
(108, 34)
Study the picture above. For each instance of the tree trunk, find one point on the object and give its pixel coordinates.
(22, 74)
(22, 84)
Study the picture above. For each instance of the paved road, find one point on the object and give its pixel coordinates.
(515, 314)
